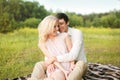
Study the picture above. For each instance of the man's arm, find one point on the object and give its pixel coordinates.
(74, 53)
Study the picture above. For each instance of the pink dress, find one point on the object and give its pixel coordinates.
(58, 47)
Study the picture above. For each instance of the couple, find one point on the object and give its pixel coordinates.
(63, 49)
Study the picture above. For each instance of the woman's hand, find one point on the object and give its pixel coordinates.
(51, 68)
(72, 66)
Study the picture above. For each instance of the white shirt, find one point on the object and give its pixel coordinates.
(77, 51)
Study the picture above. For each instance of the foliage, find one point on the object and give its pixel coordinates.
(75, 20)
(32, 22)
(14, 12)
(110, 19)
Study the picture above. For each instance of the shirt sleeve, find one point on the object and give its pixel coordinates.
(74, 53)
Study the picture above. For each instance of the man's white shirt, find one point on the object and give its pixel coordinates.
(77, 51)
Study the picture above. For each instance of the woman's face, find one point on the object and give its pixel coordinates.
(56, 29)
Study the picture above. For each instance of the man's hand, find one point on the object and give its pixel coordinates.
(51, 68)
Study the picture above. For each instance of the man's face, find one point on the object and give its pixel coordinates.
(63, 26)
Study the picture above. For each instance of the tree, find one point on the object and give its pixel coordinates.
(32, 22)
(14, 12)
(75, 20)
(96, 22)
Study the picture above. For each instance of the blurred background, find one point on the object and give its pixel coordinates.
(99, 20)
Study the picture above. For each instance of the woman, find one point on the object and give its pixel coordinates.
(53, 43)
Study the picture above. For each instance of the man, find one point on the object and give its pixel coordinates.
(77, 53)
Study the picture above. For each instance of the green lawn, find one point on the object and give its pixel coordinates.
(19, 49)
(102, 45)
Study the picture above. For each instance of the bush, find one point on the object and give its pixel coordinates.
(32, 22)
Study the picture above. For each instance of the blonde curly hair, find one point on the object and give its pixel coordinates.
(46, 27)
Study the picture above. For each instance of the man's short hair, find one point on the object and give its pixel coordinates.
(62, 16)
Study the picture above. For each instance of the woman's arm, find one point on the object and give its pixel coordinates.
(68, 43)
(50, 57)
(62, 69)
(47, 54)
(69, 47)
(44, 50)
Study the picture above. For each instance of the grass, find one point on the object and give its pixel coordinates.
(19, 51)
(102, 45)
